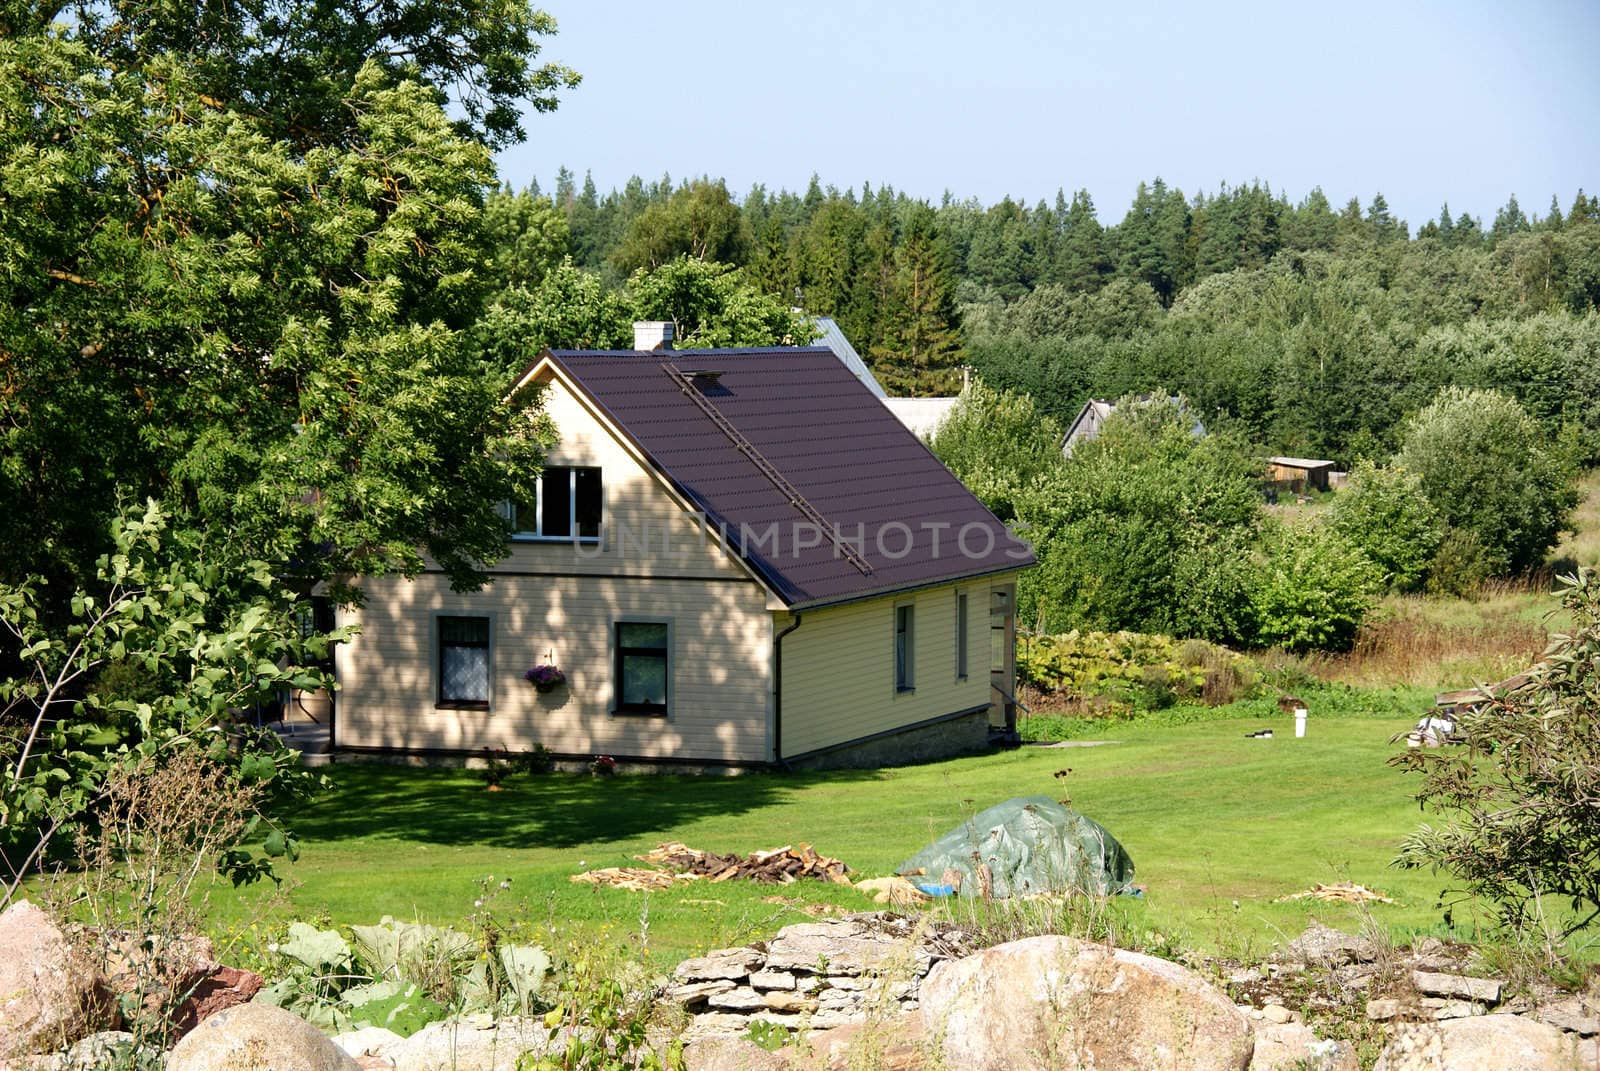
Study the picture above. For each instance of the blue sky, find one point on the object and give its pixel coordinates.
(1469, 101)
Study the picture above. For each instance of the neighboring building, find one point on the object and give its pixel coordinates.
(829, 335)
(922, 416)
(1092, 418)
(679, 565)
(1086, 427)
(1299, 474)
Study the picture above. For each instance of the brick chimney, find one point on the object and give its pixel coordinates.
(652, 335)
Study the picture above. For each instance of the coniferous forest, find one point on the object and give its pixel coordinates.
(1312, 328)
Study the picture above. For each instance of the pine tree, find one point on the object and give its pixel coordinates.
(1508, 221)
(921, 348)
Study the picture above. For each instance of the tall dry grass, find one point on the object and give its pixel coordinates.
(1407, 644)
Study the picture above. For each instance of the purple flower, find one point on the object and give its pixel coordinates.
(545, 678)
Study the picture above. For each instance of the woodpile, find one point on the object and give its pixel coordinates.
(1344, 892)
(780, 866)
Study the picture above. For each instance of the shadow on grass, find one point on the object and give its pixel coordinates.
(452, 806)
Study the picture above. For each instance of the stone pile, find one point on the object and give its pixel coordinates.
(816, 975)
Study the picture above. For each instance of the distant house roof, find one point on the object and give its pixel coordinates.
(819, 445)
(829, 335)
(1308, 463)
(922, 415)
(1087, 424)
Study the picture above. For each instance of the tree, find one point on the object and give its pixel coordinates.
(1147, 527)
(998, 443)
(699, 220)
(152, 661)
(921, 347)
(289, 64)
(1520, 826)
(527, 236)
(1384, 513)
(1312, 590)
(1082, 262)
(266, 338)
(1490, 470)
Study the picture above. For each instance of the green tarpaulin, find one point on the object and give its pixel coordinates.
(1027, 845)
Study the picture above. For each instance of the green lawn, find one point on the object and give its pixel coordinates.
(1209, 816)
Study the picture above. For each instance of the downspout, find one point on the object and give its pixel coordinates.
(777, 693)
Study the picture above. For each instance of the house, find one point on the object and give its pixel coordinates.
(736, 558)
(922, 416)
(1086, 426)
(1298, 474)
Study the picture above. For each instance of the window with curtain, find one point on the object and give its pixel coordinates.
(643, 667)
(904, 638)
(463, 661)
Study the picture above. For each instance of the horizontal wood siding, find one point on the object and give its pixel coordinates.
(648, 533)
(720, 667)
(839, 672)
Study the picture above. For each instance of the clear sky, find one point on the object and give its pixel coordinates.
(1468, 101)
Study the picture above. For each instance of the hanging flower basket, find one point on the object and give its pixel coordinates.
(545, 678)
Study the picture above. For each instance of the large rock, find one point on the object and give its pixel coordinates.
(471, 1045)
(47, 991)
(1484, 1043)
(1062, 1004)
(257, 1037)
(1293, 1047)
(225, 987)
(1325, 946)
(850, 946)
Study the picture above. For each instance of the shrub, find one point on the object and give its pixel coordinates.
(997, 442)
(1460, 566)
(1385, 514)
(1519, 794)
(1313, 590)
(1142, 671)
(1144, 528)
(1491, 471)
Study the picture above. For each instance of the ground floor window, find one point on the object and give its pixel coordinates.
(904, 647)
(464, 662)
(643, 667)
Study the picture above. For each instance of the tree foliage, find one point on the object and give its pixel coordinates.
(998, 443)
(154, 659)
(266, 336)
(1491, 472)
(1384, 513)
(1517, 801)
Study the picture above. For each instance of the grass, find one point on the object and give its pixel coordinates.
(1220, 826)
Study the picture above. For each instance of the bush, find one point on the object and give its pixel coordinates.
(1460, 566)
(1490, 470)
(1145, 528)
(1519, 794)
(997, 443)
(1138, 671)
(1385, 514)
(1313, 591)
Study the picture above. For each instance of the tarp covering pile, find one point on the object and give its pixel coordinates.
(1023, 847)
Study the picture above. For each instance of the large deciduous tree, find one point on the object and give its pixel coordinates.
(249, 302)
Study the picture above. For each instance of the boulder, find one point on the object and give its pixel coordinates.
(730, 1054)
(225, 987)
(1435, 984)
(369, 1041)
(47, 991)
(851, 946)
(895, 1044)
(257, 1037)
(1325, 946)
(1482, 1043)
(1060, 1003)
(472, 1045)
(1293, 1047)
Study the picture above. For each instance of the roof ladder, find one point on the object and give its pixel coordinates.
(685, 379)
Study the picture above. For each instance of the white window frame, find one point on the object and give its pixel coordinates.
(509, 510)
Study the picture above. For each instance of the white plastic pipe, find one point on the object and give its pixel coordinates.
(1299, 721)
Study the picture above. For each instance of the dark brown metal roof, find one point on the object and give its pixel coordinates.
(803, 439)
